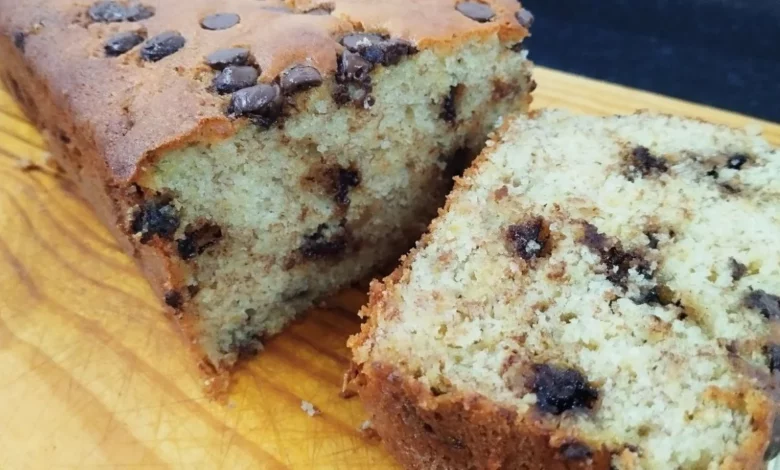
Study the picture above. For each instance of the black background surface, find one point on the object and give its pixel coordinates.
(723, 53)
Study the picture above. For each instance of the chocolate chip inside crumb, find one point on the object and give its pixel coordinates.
(174, 299)
(234, 78)
(525, 18)
(120, 43)
(20, 40)
(158, 217)
(344, 179)
(261, 103)
(529, 239)
(736, 161)
(353, 67)
(197, 240)
(161, 46)
(560, 389)
(618, 261)
(575, 451)
(448, 109)
(738, 270)
(476, 11)
(646, 163)
(222, 58)
(300, 78)
(325, 243)
(115, 12)
(767, 304)
(772, 352)
(219, 21)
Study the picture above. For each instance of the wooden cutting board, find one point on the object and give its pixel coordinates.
(92, 375)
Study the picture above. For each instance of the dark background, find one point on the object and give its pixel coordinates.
(723, 53)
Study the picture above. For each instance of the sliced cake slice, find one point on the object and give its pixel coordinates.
(599, 292)
(256, 156)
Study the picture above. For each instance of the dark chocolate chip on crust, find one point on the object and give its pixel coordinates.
(448, 108)
(355, 42)
(174, 299)
(222, 58)
(161, 46)
(353, 67)
(20, 40)
(561, 389)
(529, 239)
(735, 162)
(261, 103)
(120, 43)
(575, 451)
(299, 78)
(325, 243)
(198, 239)
(234, 78)
(772, 352)
(219, 21)
(525, 18)
(378, 49)
(644, 162)
(344, 179)
(115, 12)
(738, 270)
(767, 304)
(476, 11)
(156, 216)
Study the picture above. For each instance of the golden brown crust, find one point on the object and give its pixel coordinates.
(125, 105)
(454, 431)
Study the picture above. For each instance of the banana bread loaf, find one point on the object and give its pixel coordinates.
(598, 293)
(256, 155)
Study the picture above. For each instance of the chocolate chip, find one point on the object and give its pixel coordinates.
(197, 240)
(767, 304)
(618, 261)
(378, 49)
(344, 179)
(161, 46)
(221, 58)
(174, 299)
(355, 42)
(234, 78)
(156, 216)
(653, 240)
(115, 12)
(772, 352)
(354, 68)
(525, 18)
(323, 245)
(299, 78)
(529, 239)
(736, 161)
(738, 270)
(219, 21)
(120, 43)
(646, 163)
(713, 173)
(660, 295)
(20, 38)
(559, 389)
(448, 109)
(476, 11)
(575, 451)
(321, 10)
(261, 103)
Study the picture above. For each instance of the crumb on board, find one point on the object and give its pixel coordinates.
(309, 408)
(367, 430)
(25, 165)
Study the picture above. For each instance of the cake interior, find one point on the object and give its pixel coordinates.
(335, 191)
(617, 276)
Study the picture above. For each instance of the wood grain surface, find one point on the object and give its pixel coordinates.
(94, 376)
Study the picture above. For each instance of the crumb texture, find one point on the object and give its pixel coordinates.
(615, 278)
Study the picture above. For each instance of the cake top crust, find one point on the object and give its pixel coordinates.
(135, 78)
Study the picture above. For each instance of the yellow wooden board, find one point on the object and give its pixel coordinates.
(92, 375)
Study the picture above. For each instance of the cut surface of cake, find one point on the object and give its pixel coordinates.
(257, 155)
(599, 292)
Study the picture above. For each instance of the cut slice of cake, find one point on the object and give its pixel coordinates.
(599, 292)
(257, 155)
